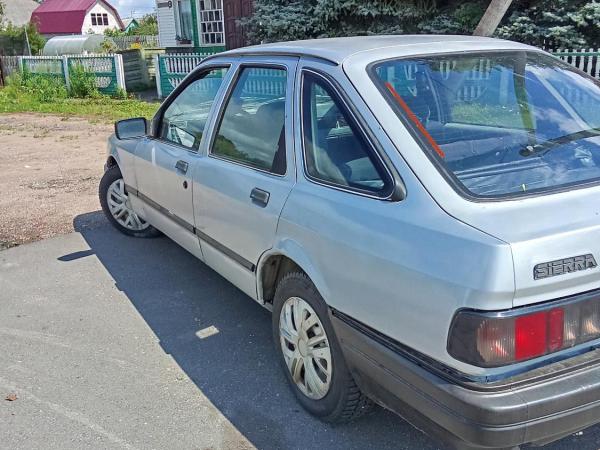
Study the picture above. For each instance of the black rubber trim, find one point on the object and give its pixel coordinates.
(192, 229)
(549, 368)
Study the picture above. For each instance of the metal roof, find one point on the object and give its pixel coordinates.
(337, 50)
(65, 16)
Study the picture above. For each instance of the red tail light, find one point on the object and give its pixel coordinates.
(501, 338)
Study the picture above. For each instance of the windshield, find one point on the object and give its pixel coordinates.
(501, 123)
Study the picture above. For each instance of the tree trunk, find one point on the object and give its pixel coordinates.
(492, 17)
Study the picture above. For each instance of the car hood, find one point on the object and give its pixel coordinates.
(544, 229)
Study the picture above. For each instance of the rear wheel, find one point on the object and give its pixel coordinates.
(116, 205)
(310, 354)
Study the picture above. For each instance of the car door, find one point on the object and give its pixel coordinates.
(165, 161)
(241, 187)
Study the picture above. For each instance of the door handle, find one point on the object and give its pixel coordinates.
(260, 197)
(181, 166)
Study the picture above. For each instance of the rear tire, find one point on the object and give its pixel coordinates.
(117, 208)
(307, 346)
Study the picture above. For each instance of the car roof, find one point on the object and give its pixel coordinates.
(336, 50)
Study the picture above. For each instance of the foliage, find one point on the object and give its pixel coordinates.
(83, 83)
(36, 40)
(148, 26)
(42, 88)
(562, 23)
(25, 96)
(108, 46)
(280, 20)
(1, 10)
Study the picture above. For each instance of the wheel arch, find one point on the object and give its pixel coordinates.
(283, 258)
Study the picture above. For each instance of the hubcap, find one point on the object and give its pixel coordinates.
(120, 207)
(305, 348)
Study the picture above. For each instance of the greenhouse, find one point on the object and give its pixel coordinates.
(75, 45)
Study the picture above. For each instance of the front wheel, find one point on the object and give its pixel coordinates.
(310, 354)
(117, 206)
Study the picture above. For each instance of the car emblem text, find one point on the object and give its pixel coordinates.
(563, 266)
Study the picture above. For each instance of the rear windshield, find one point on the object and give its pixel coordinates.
(500, 124)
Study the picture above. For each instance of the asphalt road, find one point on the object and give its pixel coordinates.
(99, 341)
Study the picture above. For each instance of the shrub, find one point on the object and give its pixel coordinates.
(83, 83)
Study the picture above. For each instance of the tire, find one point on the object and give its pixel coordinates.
(342, 401)
(129, 223)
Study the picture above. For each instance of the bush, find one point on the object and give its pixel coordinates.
(83, 83)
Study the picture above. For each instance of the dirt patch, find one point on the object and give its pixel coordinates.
(50, 167)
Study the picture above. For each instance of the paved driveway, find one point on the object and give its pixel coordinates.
(98, 339)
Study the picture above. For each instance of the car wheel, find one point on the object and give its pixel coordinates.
(310, 353)
(117, 208)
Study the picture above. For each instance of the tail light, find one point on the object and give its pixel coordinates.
(495, 339)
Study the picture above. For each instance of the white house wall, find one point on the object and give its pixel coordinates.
(99, 8)
(167, 31)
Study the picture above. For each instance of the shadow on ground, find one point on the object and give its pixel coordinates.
(177, 295)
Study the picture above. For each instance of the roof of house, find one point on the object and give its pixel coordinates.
(18, 12)
(337, 50)
(65, 16)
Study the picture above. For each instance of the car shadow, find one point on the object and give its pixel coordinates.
(236, 369)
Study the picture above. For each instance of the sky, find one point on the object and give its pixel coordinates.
(139, 7)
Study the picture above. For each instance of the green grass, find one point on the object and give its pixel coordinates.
(104, 109)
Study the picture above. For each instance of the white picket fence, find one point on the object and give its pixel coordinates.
(587, 60)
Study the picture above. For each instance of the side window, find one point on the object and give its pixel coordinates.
(252, 129)
(184, 119)
(335, 151)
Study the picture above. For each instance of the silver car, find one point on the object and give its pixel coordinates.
(420, 213)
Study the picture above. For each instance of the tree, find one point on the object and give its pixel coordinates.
(492, 17)
(555, 23)
(1, 10)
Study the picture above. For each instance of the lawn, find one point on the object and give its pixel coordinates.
(104, 109)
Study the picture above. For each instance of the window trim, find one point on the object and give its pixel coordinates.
(157, 121)
(391, 182)
(227, 97)
(94, 18)
(430, 153)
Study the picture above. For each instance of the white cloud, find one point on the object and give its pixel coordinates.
(138, 7)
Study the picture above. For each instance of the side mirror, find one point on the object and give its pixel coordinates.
(131, 128)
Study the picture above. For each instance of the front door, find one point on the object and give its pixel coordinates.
(165, 162)
(241, 187)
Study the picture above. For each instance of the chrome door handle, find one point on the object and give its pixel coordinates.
(181, 166)
(260, 197)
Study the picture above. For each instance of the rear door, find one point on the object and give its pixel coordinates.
(165, 162)
(241, 187)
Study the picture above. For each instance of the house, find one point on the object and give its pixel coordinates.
(202, 25)
(64, 17)
(130, 24)
(18, 12)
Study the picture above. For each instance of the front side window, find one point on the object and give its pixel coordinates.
(252, 129)
(184, 120)
(105, 19)
(94, 20)
(335, 151)
(500, 123)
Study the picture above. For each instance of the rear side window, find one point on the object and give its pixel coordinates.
(185, 118)
(252, 129)
(335, 151)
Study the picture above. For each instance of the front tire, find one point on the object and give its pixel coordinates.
(310, 353)
(117, 207)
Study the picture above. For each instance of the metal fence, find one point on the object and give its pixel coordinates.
(108, 69)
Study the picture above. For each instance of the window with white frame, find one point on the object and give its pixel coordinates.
(99, 19)
(211, 22)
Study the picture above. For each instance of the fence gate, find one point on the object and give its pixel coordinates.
(108, 69)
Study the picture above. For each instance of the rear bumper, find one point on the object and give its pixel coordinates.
(538, 407)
